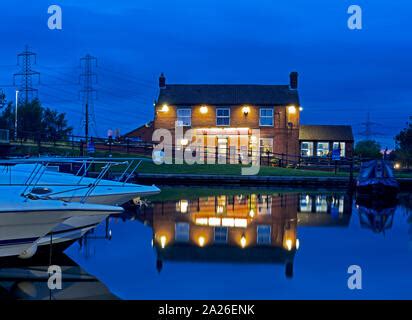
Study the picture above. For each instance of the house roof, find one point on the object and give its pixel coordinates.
(325, 132)
(227, 94)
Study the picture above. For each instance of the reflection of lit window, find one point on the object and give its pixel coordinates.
(182, 231)
(221, 204)
(201, 221)
(264, 204)
(263, 234)
(305, 204)
(321, 204)
(182, 206)
(240, 223)
(228, 222)
(221, 234)
(214, 221)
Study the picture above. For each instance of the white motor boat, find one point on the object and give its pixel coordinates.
(68, 187)
(23, 221)
(47, 184)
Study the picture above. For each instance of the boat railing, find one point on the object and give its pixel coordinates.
(105, 164)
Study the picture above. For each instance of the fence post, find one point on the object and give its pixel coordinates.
(351, 174)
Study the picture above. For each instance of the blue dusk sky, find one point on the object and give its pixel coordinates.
(344, 74)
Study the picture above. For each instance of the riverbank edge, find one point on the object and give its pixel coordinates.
(286, 181)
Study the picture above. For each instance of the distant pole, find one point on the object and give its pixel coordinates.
(15, 115)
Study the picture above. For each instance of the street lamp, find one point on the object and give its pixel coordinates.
(15, 118)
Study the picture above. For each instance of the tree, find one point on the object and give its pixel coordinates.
(404, 146)
(368, 149)
(36, 122)
(55, 126)
(7, 117)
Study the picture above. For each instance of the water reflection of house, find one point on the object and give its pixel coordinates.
(242, 228)
(324, 209)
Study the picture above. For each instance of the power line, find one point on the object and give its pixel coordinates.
(368, 133)
(26, 73)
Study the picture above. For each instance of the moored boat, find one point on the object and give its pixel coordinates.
(376, 179)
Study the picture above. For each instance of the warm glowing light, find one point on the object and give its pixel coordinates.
(228, 222)
(184, 204)
(289, 244)
(246, 110)
(297, 244)
(201, 241)
(165, 108)
(292, 109)
(163, 241)
(240, 223)
(253, 139)
(214, 222)
(184, 142)
(243, 241)
(397, 165)
(220, 209)
(251, 213)
(201, 221)
(203, 109)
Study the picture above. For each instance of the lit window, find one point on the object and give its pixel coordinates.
(222, 116)
(306, 149)
(266, 146)
(263, 234)
(221, 234)
(182, 231)
(341, 145)
(323, 149)
(184, 117)
(266, 117)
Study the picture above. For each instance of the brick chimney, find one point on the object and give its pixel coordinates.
(293, 80)
(162, 81)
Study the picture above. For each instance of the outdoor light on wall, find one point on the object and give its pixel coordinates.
(243, 241)
(203, 109)
(165, 108)
(297, 244)
(300, 108)
(292, 109)
(246, 110)
(184, 142)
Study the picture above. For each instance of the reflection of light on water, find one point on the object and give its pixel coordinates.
(201, 221)
(163, 241)
(243, 241)
(289, 244)
(214, 222)
(201, 241)
(184, 204)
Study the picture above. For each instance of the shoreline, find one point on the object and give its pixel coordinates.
(284, 181)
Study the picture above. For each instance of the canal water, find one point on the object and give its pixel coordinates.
(228, 243)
